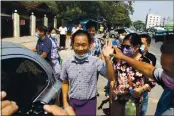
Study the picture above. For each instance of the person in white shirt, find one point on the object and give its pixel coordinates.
(80, 27)
(63, 32)
(75, 28)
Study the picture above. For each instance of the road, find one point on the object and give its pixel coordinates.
(30, 42)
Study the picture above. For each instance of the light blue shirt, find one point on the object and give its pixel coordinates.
(97, 48)
(54, 50)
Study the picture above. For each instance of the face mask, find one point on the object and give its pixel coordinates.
(121, 37)
(81, 57)
(142, 48)
(127, 52)
(38, 35)
(53, 36)
(168, 81)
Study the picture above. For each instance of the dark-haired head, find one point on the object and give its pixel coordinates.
(134, 38)
(81, 33)
(167, 47)
(131, 44)
(147, 38)
(90, 24)
(42, 29)
(91, 27)
(52, 29)
(81, 42)
(167, 57)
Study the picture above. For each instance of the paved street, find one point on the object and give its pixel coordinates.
(30, 42)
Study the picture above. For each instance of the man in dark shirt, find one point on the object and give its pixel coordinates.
(146, 40)
(44, 45)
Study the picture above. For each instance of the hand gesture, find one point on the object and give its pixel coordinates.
(57, 111)
(118, 54)
(7, 107)
(107, 49)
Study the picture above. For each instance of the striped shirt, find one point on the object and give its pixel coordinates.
(97, 48)
(82, 76)
(54, 49)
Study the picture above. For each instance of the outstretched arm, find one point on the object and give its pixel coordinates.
(145, 68)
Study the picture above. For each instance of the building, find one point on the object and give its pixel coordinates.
(152, 20)
(20, 18)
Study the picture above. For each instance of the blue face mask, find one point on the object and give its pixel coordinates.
(38, 35)
(127, 52)
(53, 36)
(81, 57)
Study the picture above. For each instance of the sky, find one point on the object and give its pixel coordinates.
(162, 8)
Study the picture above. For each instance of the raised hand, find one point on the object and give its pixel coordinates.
(107, 49)
(118, 54)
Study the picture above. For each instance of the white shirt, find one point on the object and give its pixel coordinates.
(62, 30)
(74, 29)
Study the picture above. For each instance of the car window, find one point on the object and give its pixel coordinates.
(22, 79)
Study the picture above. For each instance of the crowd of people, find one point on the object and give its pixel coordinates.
(126, 62)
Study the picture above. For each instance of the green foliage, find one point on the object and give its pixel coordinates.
(139, 25)
(115, 12)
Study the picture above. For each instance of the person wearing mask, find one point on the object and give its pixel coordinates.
(163, 76)
(8, 108)
(44, 44)
(146, 40)
(127, 78)
(54, 52)
(122, 33)
(79, 75)
(63, 33)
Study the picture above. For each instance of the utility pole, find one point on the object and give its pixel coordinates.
(149, 10)
(168, 20)
(164, 21)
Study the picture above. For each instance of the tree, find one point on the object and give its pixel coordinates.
(139, 25)
(116, 12)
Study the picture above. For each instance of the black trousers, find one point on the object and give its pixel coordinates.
(62, 40)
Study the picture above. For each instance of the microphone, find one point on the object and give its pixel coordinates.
(51, 92)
